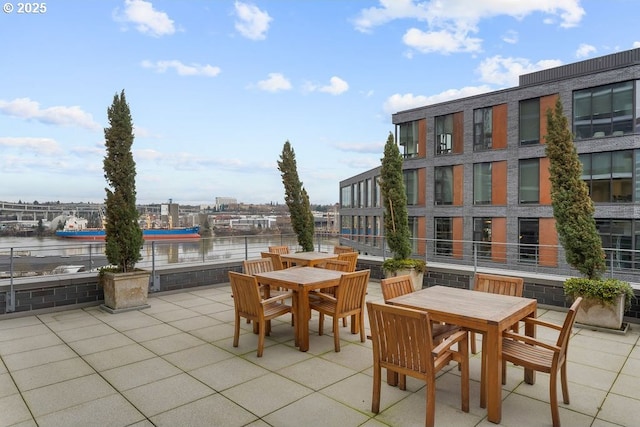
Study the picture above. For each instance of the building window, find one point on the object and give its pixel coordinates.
(529, 174)
(530, 121)
(409, 139)
(369, 190)
(528, 231)
(482, 129)
(377, 231)
(482, 183)
(345, 196)
(482, 237)
(443, 180)
(609, 176)
(376, 192)
(361, 194)
(444, 134)
(444, 236)
(603, 111)
(411, 186)
(345, 225)
(617, 242)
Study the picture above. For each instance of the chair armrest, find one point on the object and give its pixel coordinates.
(448, 342)
(536, 321)
(277, 298)
(531, 341)
(326, 297)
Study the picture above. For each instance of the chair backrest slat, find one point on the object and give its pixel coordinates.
(255, 266)
(565, 334)
(351, 257)
(246, 295)
(275, 259)
(497, 284)
(351, 291)
(342, 249)
(279, 249)
(396, 286)
(336, 265)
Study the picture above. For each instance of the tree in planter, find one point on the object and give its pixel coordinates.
(396, 216)
(573, 210)
(572, 206)
(123, 233)
(297, 198)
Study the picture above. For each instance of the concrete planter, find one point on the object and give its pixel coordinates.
(416, 277)
(125, 291)
(594, 312)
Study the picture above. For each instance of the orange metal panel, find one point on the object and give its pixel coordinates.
(548, 242)
(422, 138)
(545, 182)
(499, 239)
(422, 182)
(458, 132)
(458, 236)
(499, 183)
(546, 102)
(499, 124)
(422, 235)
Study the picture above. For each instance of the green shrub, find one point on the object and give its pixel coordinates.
(606, 290)
(392, 265)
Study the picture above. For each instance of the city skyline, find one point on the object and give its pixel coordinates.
(217, 88)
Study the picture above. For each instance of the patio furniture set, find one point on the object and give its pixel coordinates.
(415, 333)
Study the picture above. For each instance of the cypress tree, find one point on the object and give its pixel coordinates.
(123, 233)
(394, 199)
(572, 206)
(297, 198)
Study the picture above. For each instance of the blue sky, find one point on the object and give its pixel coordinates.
(217, 87)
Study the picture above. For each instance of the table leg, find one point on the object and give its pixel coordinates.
(530, 330)
(302, 322)
(493, 377)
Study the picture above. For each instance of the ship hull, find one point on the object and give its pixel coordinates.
(147, 234)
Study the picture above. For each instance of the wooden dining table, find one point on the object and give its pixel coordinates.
(301, 280)
(488, 313)
(306, 259)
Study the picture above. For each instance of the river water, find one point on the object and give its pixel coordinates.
(34, 254)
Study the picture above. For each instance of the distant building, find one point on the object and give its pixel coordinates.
(225, 203)
(477, 177)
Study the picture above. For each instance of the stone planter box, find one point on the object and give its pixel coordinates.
(594, 312)
(125, 291)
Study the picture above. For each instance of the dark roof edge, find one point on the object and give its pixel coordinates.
(589, 66)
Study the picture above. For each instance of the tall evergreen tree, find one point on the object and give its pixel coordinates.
(394, 199)
(572, 206)
(297, 198)
(123, 232)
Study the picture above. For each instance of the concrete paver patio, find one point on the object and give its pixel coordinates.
(173, 364)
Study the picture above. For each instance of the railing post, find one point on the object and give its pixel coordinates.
(246, 247)
(11, 295)
(155, 276)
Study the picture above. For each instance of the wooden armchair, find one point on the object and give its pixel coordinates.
(249, 304)
(402, 343)
(401, 285)
(279, 249)
(342, 249)
(275, 259)
(348, 301)
(495, 284)
(351, 257)
(540, 356)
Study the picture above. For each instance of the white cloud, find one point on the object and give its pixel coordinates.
(336, 86)
(441, 41)
(510, 37)
(182, 69)
(365, 148)
(399, 102)
(635, 45)
(275, 83)
(37, 145)
(505, 72)
(252, 23)
(146, 19)
(584, 50)
(450, 23)
(25, 108)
